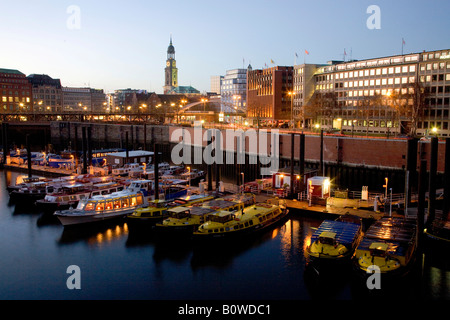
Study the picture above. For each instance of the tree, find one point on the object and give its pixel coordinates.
(322, 105)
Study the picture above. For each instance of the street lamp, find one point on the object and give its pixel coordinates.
(243, 181)
(189, 176)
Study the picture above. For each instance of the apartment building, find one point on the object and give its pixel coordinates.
(47, 93)
(233, 91)
(404, 94)
(15, 92)
(83, 100)
(268, 98)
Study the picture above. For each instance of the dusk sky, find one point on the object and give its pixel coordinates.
(122, 44)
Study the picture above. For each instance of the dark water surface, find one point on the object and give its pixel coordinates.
(118, 263)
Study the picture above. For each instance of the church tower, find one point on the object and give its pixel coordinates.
(171, 70)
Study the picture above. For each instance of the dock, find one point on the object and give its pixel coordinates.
(39, 170)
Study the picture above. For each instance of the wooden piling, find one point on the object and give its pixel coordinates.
(432, 181)
(421, 205)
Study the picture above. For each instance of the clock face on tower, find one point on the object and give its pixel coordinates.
(168, 63)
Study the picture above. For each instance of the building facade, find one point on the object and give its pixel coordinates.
(268, 98)
(405, 94)
(16, 92)
(83, 100)
(171, 70)
(47, 93)
(216, 83)
(233, 91)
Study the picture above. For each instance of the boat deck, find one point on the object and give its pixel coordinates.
(345, 232)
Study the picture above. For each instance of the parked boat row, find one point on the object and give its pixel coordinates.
(186, 219)
(388, 246)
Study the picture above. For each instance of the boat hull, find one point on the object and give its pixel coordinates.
(25, 199)
(244, 232)
(50, 207)
(82, 219)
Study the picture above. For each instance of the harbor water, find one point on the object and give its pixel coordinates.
(36, 255)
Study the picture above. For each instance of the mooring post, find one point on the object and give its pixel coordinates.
(209, 167)
(446, 204)
(89, 144)
(292, 165)
(321, 171)
(432, 181)
(29, 156)
(83, 143)
(126, 148)
(156, 168)
(421, 205)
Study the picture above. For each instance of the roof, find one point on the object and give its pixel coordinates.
(136, 153)
(345, 232)
(184, 89)
(12, 71)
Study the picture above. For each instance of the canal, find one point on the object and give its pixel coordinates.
(118, 263)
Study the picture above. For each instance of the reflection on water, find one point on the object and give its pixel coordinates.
(96, 234)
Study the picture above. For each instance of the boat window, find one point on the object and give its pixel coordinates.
(58, 199)
(326, 240)
(82, 196)
(246, 224)
(95, 193)
(221, 229)
(119, 188)
(133, 202)
(81, 205)
(125, 203)
(117, 204)
(139, 200)
(74, 198)
(251, 222)
(66, 198)
(100, 206)
(378, 253)
(90, 206)
(109, 205)
(105, 192)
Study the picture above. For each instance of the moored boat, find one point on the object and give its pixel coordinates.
(185, 220)
(100, 208)
(388, 246)
(157, 210)
(28, 195)
(109, 206)
(238, 223)
(334, 241)
(69, 195)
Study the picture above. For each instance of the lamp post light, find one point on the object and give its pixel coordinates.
(243, 182)
(189, 177)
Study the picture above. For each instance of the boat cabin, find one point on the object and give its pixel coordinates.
(117, 203)
(378, 249)
(327, 237)
(179, 212)
(222, 217)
